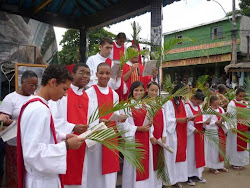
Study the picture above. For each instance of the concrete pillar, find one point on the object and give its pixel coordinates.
(84, 44)
(156, 28)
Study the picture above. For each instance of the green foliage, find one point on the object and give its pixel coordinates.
(200, 83)
(71, 44)
(230, 94)
(168, 85)
(167, 46)
(136, 30)
(130, 53)
(114, 141)
(245, 7)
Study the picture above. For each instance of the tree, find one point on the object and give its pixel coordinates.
(71, 43)
(245, 7)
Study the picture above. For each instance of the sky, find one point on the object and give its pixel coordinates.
(178, 15)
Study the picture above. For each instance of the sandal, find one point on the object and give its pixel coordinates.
(224, 170)
(214, 171)
(237, 168)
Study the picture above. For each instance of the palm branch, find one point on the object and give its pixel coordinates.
(136, 30)
(167, 46)
(128, 147)
(168, 85)
(201, 81)
(212, 138)
(129, 54)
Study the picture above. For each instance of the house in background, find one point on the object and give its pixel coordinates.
(211, 52)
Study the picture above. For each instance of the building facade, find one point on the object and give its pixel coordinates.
(209, 54)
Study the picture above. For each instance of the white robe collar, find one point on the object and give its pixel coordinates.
(77, 90)
(100, 57)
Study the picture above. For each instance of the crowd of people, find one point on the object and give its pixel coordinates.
(48, 152)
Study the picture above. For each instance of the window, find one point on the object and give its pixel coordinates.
(217, 32)
(179, 37)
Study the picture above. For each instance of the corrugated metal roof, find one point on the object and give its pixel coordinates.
(79, 13)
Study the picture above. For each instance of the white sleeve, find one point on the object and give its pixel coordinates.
(129, 127)
(170, 117)
(151, 131)
(231, 109)
(114, 83)
(164, 133)
(7, 106)
(60, 121)
(190, 124)
(90, 63)
(38, 151)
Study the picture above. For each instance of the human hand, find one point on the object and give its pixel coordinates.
(122, 121)
(196, 131)
(144, 128)
(181, 120)
(68, 136)
(153, 141)
(80, 128)
(75, 142)
(135, 65)
(164, 139)
(150, 123)
(4, 118)
(155, 72)
(191, 118)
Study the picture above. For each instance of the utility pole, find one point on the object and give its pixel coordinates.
(234, 44)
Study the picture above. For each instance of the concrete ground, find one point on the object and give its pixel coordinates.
(233, 179)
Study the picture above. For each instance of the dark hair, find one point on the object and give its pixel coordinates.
(214, 86)
(59, 72)
(221, 88)
(105, 40)
(101, 65)
(133, 46)
(121, 36)
(79, 65)
(176, 88)
(212, 90)
(28, 74)
(240, 90)
(199, 95)
(213, 98)
(151, 83)
(134, 85)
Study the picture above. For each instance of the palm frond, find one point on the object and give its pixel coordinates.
(168, 85)
(201, 81)
(113, 140)
(162, 169)
(136, 30)
(212, 138)
(130, 53)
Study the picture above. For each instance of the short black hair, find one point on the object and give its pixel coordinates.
(134, 85)
(105, 40)
(28, 74)
(102, 64)
(221, 88)
(121, 36)
(153, 83)
(199, 95)
(79, 65)
(57, 71)
(240, 90)
(213, 98)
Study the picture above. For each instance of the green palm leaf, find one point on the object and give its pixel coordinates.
(129, 148)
